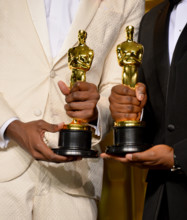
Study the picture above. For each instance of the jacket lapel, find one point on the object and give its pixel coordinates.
(181, 47)
(37, 11)
(161, 47)
(85, 13)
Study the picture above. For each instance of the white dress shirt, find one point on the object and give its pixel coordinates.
(59, 15)
(178, 20)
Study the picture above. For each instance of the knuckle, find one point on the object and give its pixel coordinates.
(125, 90)
(112, 109)
(66, 107)
(34, 154)
(67, 98)
(54, 127)
(126, 116)
(97, 96)
(110, 99)
(93, 86)
(70, 105)
(92, 105)
(79, 84)
(130, 108)
(40, 123)
(115, 88)
(37, 146)
(152, 154)
(89, 113)
(49, 157)
(129, 99)
(75, 95)
(136, 157)
(71, 114)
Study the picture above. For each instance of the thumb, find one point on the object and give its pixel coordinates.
(140, 90)
(63, 88)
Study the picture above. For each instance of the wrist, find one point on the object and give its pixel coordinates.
(13, 128)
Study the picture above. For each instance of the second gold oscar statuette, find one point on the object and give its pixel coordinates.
(128, 135)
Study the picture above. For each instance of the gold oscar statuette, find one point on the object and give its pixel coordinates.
(75, 138)
(128, 135)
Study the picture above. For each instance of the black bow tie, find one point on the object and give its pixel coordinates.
(174, 2)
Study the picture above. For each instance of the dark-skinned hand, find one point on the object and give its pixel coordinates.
(81, 100)
(126, 103)
(156, 157)
(30, 137)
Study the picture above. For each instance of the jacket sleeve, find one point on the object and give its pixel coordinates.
(6, 113)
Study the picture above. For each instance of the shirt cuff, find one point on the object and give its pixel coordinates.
(4, 140)
(96, 126)
(141, 117)
(97, 131)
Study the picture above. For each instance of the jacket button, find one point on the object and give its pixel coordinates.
(171, 127)
(37, 112)
(52, 74)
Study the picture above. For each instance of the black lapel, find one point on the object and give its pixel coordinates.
(161, 47)
(180, 48)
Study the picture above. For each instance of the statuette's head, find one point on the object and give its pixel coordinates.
(130, 32)
(82, 35)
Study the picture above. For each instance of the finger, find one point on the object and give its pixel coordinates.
(75, 106)
(63, 88)
(84, 114)
(48, 127)
(48, 154)
(125, 108)
(123, 90)
(144, 156)
(107, 156)
(75, 88)
(38, 156)
(83, 86)
(61, 125)
(140, 90)
(121, 99)
(82, 96)
(144, 101)
(124, 116)
(60, 159)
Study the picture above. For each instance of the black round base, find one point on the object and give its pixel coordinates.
(76, 153)
(128, 139)
(124, 149)
(75, 143)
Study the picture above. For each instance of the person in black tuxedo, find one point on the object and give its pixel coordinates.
(163, 87)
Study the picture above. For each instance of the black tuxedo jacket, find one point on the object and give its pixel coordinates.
(166, 110)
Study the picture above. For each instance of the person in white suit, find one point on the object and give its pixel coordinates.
(35, 36)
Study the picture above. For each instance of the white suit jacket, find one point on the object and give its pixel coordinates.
(29, 77)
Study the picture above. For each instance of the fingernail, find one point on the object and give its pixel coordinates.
(140, 97)
(129, 156)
